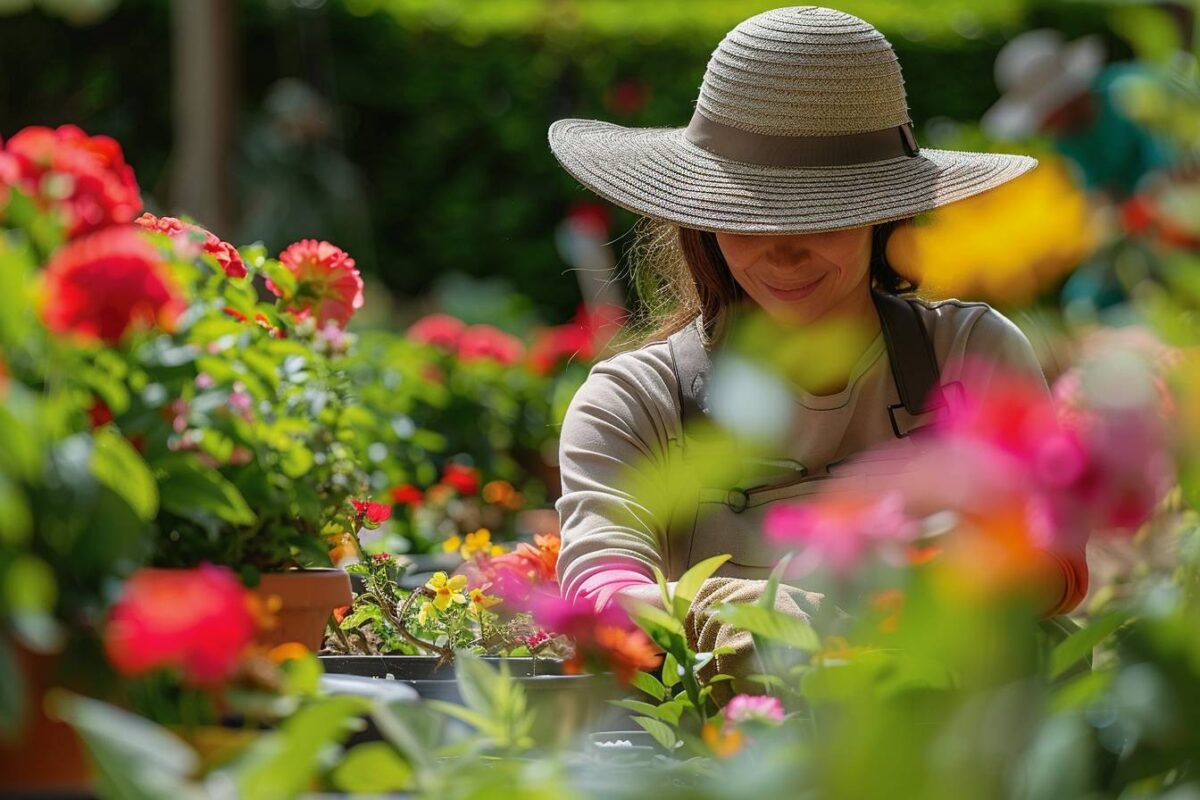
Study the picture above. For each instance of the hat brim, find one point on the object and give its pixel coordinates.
(658, 173)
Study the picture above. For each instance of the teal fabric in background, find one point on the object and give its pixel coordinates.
(1114, 153)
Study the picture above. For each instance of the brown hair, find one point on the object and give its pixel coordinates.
(679, 273)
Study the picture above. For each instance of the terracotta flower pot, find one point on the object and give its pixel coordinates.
(301, 602)
(47, 757)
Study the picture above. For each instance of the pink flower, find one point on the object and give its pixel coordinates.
(487, 343)
(439, 330)
(840, 533)
(198, 621)
(605, 640)
(328, 285)
(753, 708)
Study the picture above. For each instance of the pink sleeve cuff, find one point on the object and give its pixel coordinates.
(601, 587)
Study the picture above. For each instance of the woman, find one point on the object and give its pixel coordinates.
(780, 194)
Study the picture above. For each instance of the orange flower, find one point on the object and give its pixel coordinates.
(724, 741)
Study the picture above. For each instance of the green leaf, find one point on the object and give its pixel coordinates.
(670, 671)
(767, 600)
(188, 489)
(1079, 645)
(649, 684)
(661, 732)
(279, 275)
(667, 712)
(284, 763)
(770, 624)
(116, 465)
(372, 768)
(688, 585)
(133, 757)
(649, 617)
(661, 580)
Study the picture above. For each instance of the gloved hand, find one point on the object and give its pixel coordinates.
(707, 633)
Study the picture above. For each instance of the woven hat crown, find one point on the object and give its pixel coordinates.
(804, 71)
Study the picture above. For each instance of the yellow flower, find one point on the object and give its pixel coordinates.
(447, 590)
(426, 614)
(480, 602)
(478, 542)
(498, 550)
(1004, 245)
(452, 544)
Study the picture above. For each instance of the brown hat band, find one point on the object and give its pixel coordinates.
(769, 150)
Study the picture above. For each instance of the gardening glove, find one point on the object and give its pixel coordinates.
(706, 633)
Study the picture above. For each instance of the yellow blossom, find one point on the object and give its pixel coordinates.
(498, 550)
(480, 602)
(1004, 245)
(452, 544)
(478, 542)
(447, 590)
(426, 614)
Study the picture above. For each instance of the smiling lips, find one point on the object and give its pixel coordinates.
(799, 293)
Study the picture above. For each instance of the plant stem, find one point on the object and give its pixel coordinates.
(397, 621)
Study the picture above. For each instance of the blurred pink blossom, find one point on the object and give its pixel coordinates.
(839, 533)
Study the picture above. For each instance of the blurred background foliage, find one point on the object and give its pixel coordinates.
(413, 132)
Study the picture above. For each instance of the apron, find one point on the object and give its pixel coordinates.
(728, 518)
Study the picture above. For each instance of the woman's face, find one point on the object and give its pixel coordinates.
(799, 278)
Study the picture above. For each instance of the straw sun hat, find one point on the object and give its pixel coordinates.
(801, 126)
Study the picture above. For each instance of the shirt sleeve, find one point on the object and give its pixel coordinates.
(613, 457)
(996, 349)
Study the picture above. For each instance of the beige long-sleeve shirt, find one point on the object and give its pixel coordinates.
(623, 426)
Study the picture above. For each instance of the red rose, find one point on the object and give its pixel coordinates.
(407, 494)
(225, 253)
(105, 283)
(439, 330)
(372, 513)
(484, 342)
(328, 285)
(198, 621)
(84, 178)
(464, 480)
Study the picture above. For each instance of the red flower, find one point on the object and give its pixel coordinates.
(84, 178)
(327, 282)
(99, 414)
(439, 330)
(484, 342)
(407, 494)
(102, 285)
(373, 514)
(225, 253)
(464, 480)
(198, 621)
(580, 339)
